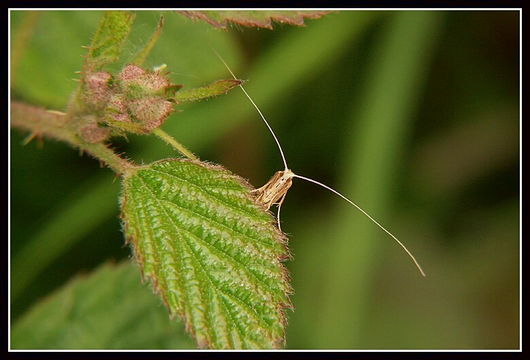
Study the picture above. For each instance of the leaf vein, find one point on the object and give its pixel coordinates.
(234, 261)
(213, 195)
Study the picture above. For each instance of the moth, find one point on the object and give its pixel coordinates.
(275, 190)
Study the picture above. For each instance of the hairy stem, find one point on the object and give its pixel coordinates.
(40, 122)
(174, 143)
(105, 154)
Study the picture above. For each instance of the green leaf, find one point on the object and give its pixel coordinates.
(214, 255)
(144, 52)
(216, 88)
(107, 309)
(107, 44)
(42, 77)
(261, 19)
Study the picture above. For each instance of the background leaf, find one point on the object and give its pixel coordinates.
(59, 236)
(106, 309)
(210, 251)
(261, 19)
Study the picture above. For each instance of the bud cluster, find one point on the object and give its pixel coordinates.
(135, 100)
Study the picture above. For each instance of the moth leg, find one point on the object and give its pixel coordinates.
(279, 203)
(259, 190)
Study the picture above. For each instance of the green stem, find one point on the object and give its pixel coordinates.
(105, 154)
(174, 143)
(137, 129)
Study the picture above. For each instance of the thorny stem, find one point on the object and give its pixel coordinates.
(174, 143)
(51, 124)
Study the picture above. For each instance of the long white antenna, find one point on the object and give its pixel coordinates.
(367, 215)
(257, 108)
(311, 180)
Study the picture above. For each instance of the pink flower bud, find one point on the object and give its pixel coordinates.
(136, 82)
(97, 89)
(130, 72)
(150, 111)
(117, 108)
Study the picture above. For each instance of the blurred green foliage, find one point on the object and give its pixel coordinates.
(413, 115)
(106, 309)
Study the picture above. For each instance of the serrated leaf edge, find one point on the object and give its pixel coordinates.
(157, 290)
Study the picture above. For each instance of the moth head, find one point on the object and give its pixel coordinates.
(286, 174)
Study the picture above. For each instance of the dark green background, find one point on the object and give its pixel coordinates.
(413, 115)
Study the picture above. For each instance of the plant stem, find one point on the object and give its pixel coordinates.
(174, 143)
(105, 154)
(41, 122)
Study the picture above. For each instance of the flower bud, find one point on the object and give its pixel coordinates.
(117, 108)
(136, 82)
(150, 111)
(97, 89)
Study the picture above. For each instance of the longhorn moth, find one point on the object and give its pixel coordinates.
(275, 190)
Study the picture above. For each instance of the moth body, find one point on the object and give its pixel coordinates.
(275, 189)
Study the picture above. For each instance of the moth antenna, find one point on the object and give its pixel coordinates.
(257, 108)
(278, 212)
(367, 215)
